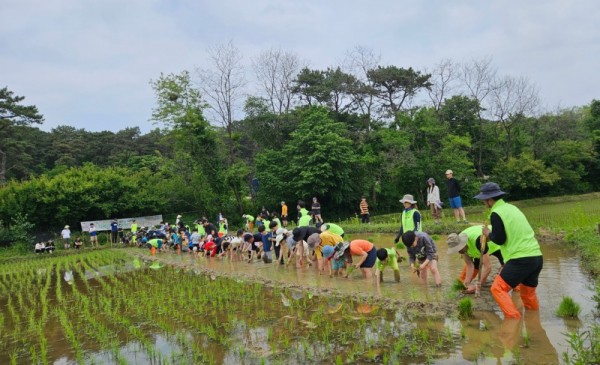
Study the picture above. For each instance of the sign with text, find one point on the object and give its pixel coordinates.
(125, 223)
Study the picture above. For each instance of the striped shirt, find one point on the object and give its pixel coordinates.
(364, 207)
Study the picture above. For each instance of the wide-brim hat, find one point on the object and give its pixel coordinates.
(67, 227)
(431, 180)
(408, 199)
(489, 190)
(340, 248)
(313, 240)
(456, 242)
(179, 216)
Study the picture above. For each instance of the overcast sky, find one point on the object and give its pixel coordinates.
(88, 63)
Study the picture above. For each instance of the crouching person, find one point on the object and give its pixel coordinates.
(422, 255)
(386, 257)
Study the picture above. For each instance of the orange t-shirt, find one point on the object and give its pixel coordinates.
(284, 209)
(360, 247)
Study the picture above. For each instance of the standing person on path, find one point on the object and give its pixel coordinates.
(284, 214)
(316, 209)
(114, 231)
(468, 244)
(93, 235)
(454, 197)
(304, 217)
(411, 217)
(422, 249)
(66, 236)
(364, 210)
(520, 250)
(433, 200)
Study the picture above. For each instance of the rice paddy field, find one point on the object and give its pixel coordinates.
(124, 306)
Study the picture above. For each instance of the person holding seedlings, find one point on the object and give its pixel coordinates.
(66, 236)
(411, 217)
(422, 255)
(302, 234)
(367, 255)
(342, 260)
(454, 197)
(155, 244)
(331, 227)
(267, 243)
(386, 257)
(520, 250)
(328, 254)
(433, 200)
(195, 240)
(317, 241)
(93, 235)
(468, 244)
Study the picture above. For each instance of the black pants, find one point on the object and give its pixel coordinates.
(113, 236)
(364, 218)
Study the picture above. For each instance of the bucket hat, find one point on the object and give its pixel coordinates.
(456, 242)
(408, 198)
(328, 251)
(431, 180)
(340, 248)
(489, 190)
(313, 240)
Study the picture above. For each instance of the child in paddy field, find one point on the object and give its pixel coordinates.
(267, 244)
(50, 246)
(272, 236)
(78, 243)
(342, 260)
(39, 247)
(422, 255)
(210, 247)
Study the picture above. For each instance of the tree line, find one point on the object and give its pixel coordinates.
(360, 128)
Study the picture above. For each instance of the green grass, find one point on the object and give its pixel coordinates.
(568, 308)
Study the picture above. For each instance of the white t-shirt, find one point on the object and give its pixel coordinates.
(38, 246)
(65, 233)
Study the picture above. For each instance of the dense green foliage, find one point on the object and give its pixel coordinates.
(347, 135)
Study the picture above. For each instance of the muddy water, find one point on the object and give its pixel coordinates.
(240, 322)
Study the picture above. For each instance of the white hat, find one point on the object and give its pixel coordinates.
(178, 216)
(67, 227)
(448, 172)
(456, 242)
(408, 199)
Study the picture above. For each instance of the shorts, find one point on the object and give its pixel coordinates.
(455, 202)
(339, 264)
(371, 258)
(524, 270)
(435, 257)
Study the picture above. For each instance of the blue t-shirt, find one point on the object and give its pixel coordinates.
(266, 240)
(114, 226)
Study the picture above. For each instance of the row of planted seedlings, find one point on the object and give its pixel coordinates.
(204, 319)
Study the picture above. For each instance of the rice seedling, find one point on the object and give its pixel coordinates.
(568, 308)
(465, 308)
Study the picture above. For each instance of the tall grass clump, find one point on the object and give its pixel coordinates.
(584, 347)
(568, 308)
(465, 308)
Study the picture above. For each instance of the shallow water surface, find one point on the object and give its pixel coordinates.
(109, 307)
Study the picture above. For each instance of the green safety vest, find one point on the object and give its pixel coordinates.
(473, 234)
(249, 218)
(278, 221)
(201, 230)
(134, 227)
(222, 228)
(156, 242)
(520, 238)
(408, 223)
(304, 219)
(391, 260)
(334, 228)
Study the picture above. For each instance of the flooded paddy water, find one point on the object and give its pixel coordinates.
(123, 306)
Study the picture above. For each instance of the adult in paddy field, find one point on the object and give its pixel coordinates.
(66, 236)
(521, 252)
(411, 217)
(468, 244)
(422, 255)
(454, 197)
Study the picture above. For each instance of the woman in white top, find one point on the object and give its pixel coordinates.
(66, 235)
(433, 200)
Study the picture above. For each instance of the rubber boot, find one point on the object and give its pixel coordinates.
(500, 290)
(153, 251)
(529, 298)
(463, 274)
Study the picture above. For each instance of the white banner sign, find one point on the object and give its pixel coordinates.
(124, 223)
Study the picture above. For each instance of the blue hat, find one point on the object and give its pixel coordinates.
(488, 191)
(327, 251)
